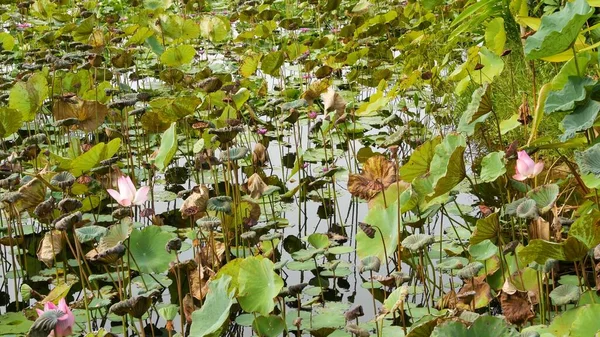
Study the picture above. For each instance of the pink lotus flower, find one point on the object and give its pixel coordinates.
(526, 168)
(24, 25)
(127, 194)
(261, 131)
(312, 114)
(65, 318)
(304, 30)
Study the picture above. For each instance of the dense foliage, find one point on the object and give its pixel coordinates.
(304, 168)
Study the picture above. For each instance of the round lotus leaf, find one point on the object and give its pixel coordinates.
(269, 326)
(90, 233)
(483, 250)
(370, 263)
(455, 262)
(147, 248)
(565, 294)
(527, 209)
(471, 270)
(208, 223)
(168, 311)
(416, 242)
(220, 204)
(234, 154)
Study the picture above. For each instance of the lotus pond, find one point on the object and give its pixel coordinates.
(299, 168)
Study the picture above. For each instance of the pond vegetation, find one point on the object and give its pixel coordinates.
(299, 168)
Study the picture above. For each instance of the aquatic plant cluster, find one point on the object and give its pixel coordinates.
(299, 168)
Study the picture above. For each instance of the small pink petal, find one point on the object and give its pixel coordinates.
(132, 188)
(124, 202)
(519, 177)
(537, 169)
(124, 188)
(114, 194)
(141, 195)
(39, 312)
(49, 306)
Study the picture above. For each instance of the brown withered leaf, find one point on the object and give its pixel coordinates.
(448, 301)
(332, 101)
(34, 192)
(539, 229)
(198, 198)
(50, 247)
(256, 186)
(209, 257)
(188, 307)
(482, 295)
(378, 173)
(516, 305)
(259, 155)
(89, 113)
(316, 89)
(199, 282)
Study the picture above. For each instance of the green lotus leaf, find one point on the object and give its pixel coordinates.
(589, 160)
(215, 312)
(168, 312)
(318, 240)
(268, 326)
(477, 111)
(540, 250)
(178, 56)
(234, 154)
(488, 326)
(258, 285)
(370, 263)
(418, 163)
(167, 149)
(149, 282)
(565, 294)
(471, 270)
(586, 229)
(10, 121)
(147, 248)
(220, 204)
(386, 220)
(492, 166)
(28, 97)
(581, 119)
(271, 63)
(544, 196)
(586, 322)
(573, 92)
(486, 228)
(416, 242)
(483, 250)
(455, 262)
(527, 209)
(558, 30)
(90, 233)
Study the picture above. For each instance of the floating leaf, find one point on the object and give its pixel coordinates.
(269, 326)
(147, 248)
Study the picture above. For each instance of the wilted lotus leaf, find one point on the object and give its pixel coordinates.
(45, 208)
(211, 257)
(315, 90)
(271, 236)
(210, 84)
(370, 263)
(448, 301)
(565, 294)
(357, 331)
(89, 113)
(39, 138)
(470, 271)
(259, 155)
(67, 221)
(135, 306)
(333, 101)
(32, 194)
(516, 305)
(416, 242)
(68, 205)
(188, 307)
(378, 173)
(198, 198)
(256, 186)
(354, 313)
(199, 281)
(208, 223)
(226, 134)
(50, 247)
(220, 204)
(63, 180)
(10, 182)
(108, 255)
(480, 297)
(152, 123)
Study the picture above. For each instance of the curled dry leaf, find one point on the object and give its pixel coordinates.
(188, 307)
(259, 155)
(378, 173)
(256, 186)
(199, 280)
(539, 229)
(516, 305)
(481, 297)
(332, 101)
(89, 113)
(50, 247)
(197, 198)
(448, 301)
